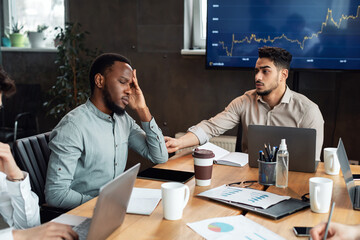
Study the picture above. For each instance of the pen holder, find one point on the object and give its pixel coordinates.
(267, 173)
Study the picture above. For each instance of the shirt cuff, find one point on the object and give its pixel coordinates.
(16, 188)
(200, 134)
(6, 234)
(150, 126)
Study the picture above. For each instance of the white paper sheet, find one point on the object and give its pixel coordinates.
(69, 219)
(234, 227)
(218, 151)
(223, 156)
(247, 196)
(143, 201)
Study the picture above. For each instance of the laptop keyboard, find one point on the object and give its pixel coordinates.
(83, 228)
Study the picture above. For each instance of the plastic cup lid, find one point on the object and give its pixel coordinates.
(203, 153)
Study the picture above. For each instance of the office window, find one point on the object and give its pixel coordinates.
(195, 24)
(199, 23)
(32, 13)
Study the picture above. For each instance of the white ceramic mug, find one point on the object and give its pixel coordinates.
(331, 161)
(175, 196)
(320, 194)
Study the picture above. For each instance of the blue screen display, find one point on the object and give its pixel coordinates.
(322, 34)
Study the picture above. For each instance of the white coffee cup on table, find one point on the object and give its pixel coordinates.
(331, 161)
(320, 194)
(175, 196)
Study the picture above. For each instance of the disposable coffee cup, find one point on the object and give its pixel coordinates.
(203, 165)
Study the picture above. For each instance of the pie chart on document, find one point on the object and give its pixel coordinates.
(220, 227)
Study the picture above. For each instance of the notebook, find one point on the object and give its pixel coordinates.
(276, 206)
(301, 144)
(110, 208)
(277, 211)
(352, 189)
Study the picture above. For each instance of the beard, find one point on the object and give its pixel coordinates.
(264, 93)
(268, 91)
(110, 103)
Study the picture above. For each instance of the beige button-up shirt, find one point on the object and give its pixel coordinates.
(294, 110)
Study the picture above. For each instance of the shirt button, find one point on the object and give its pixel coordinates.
(115, 164)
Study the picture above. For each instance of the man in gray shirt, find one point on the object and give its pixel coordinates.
(89, 146)
(270, 103)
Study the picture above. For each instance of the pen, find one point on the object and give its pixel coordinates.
(267, 153)
(261, 155)
(269, 146)
(275, 154)
(328, 223)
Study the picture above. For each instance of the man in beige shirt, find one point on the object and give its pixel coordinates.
(270, 103)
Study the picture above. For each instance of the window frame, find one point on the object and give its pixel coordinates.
(7, 24)
(194, 43)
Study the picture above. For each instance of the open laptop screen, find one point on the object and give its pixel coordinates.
(345, 168)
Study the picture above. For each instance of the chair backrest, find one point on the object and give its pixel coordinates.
(26, 99)
(32, 155)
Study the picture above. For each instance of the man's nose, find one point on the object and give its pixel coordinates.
(128, 88)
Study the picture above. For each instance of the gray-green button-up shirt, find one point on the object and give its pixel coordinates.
(89, 148)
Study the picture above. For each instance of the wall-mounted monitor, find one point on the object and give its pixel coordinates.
(322, 34)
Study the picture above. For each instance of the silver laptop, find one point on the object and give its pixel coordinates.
(110, 208)
(353, 190)
(301, 144)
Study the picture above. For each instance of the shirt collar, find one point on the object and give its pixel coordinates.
(96, 111)
(287, 95)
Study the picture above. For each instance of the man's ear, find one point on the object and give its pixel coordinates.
(99, 80)
(284, 75)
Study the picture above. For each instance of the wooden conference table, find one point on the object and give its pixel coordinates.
(155, 227)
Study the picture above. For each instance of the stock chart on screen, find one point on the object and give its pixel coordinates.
(322, 34)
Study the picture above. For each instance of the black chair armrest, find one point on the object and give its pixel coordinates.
(20, 115)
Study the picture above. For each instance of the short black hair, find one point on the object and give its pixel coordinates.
(7, 85)
(279, 56)
(102, 63)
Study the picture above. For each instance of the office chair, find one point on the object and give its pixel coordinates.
(19, 113)
(32, 155)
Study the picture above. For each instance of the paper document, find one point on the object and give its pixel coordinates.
(69, 219)
(247, 196)
(143, 200)
(223, 156)
(234, 227)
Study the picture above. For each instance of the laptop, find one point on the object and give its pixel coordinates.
(110, 208)
(301, 144)
(352, 189)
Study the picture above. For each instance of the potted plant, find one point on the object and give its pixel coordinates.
(16, 38)
(73, 59)
(37, 39)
